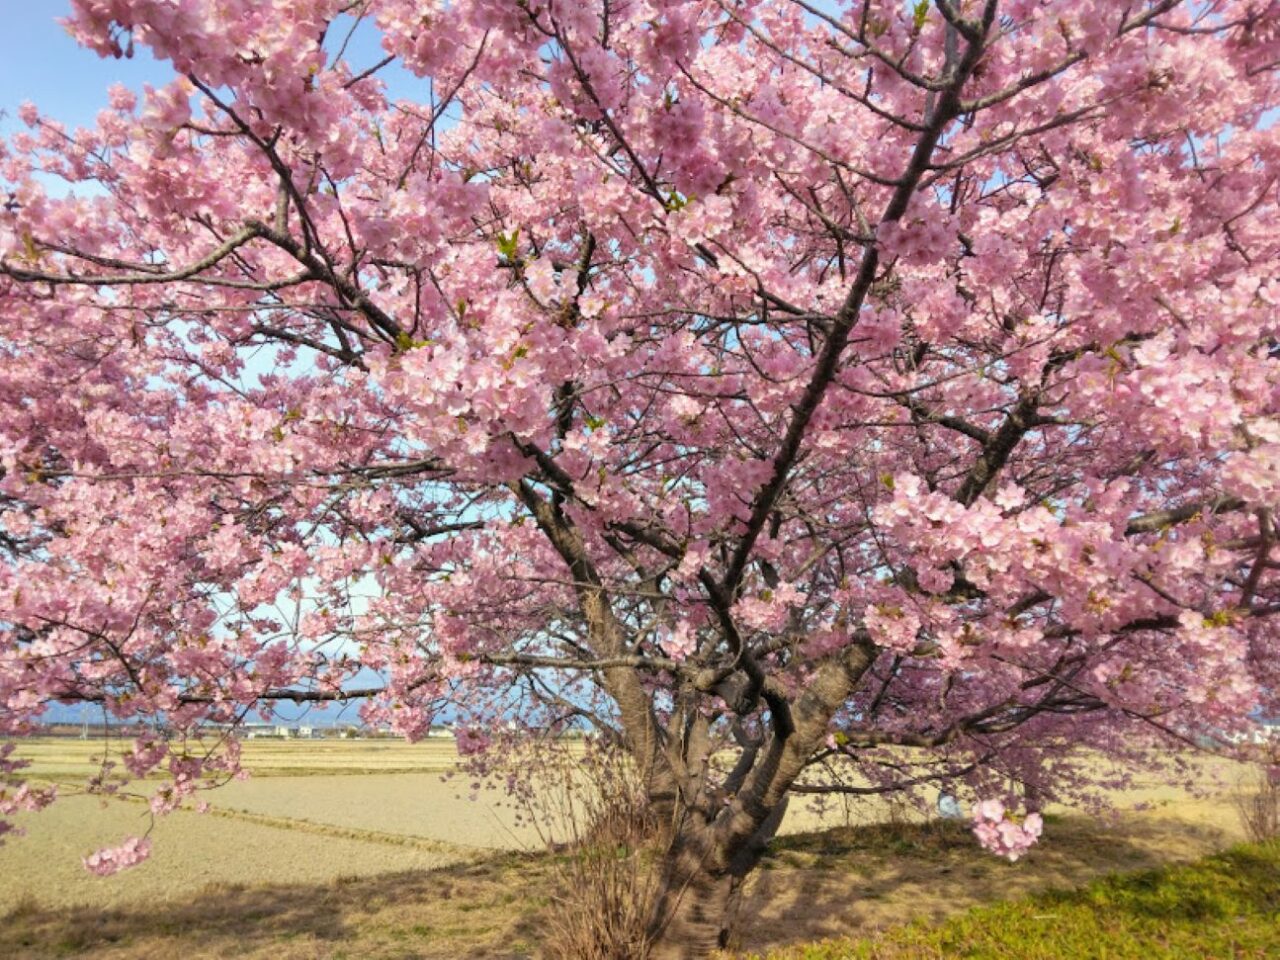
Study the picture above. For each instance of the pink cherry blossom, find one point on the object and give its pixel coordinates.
(815, 388)
(111, 860)
(471, 740)
(1001, 833)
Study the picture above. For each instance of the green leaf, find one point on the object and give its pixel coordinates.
(29, 247)
(405, 343)
(508, 246)
(676, 201)
(921, 13)
(1221, 618)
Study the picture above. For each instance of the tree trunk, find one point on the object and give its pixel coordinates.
(694, 907)
(701, 886)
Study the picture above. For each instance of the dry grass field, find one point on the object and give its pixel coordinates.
(369, 848)
(67, 757)
(314, 811)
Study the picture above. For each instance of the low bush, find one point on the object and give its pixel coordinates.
(1258, 804)
(603, 876)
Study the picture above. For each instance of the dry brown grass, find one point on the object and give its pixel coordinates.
(192, 851)
(810, 886)
(67, 758)
(858, 879)
(385, 865)
(488, 910)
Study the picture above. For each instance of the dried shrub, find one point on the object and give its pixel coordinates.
(605, 877)
(1258, 804)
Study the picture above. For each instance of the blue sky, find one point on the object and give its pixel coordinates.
(40, 63)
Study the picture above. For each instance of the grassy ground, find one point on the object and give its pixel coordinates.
(363, 849)
(827, 883)
(1226, 905)
(810, 886)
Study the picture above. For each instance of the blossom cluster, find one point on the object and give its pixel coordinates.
(1004, 834)
(110, 860)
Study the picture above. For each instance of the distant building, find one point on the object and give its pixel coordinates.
(1268, 732)
(1264, 732)
(258, 731)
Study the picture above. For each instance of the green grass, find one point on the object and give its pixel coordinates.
(1225, 906)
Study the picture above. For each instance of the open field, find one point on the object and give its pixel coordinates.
(62, 757)
(367, 849)
(314, 811)
(830, 884)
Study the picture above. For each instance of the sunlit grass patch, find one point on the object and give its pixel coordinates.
(1227, 905)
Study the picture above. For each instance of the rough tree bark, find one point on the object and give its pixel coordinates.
(700, 890)
(717, 845)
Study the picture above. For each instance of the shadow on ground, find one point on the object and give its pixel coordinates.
(487, 909)
(810, 886)
(858, 879)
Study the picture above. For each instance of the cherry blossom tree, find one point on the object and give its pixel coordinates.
(879, 395)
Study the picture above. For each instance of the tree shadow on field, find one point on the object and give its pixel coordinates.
(838, 882)
(483, 909)
(854, 880)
